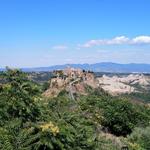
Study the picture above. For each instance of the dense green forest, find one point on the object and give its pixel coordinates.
(97, 121)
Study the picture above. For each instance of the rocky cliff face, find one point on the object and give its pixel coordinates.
(74, 81)
(126, 84)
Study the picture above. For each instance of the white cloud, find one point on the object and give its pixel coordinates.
(60, 47)
(117, 41)
(141, 40)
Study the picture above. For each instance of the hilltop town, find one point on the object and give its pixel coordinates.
(72, 80)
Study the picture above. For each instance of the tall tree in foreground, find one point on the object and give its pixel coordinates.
(18, 97)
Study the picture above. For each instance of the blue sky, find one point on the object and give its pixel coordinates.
(48, 32)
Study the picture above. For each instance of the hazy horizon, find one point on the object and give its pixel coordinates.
(73, 64)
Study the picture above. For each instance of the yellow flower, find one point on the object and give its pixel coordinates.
(134, 146)
(50, 126)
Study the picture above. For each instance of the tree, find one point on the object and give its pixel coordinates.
(121, 116)
(18, 97)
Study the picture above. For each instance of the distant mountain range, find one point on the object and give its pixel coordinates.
(97, 67)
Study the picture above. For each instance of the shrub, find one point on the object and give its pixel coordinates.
(121, 116)
(140, 136)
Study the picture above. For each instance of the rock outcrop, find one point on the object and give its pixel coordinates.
(72, 80)
(125, 84)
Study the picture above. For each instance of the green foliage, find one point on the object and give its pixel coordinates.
(141, 137)
(15, 136)
(122, 116)
(29, 121)
(77, 129)
(45, 86)
(5, 139)
(143, 96)
(118, 116)
(18, 97)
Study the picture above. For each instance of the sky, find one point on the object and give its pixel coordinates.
(36, 33)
